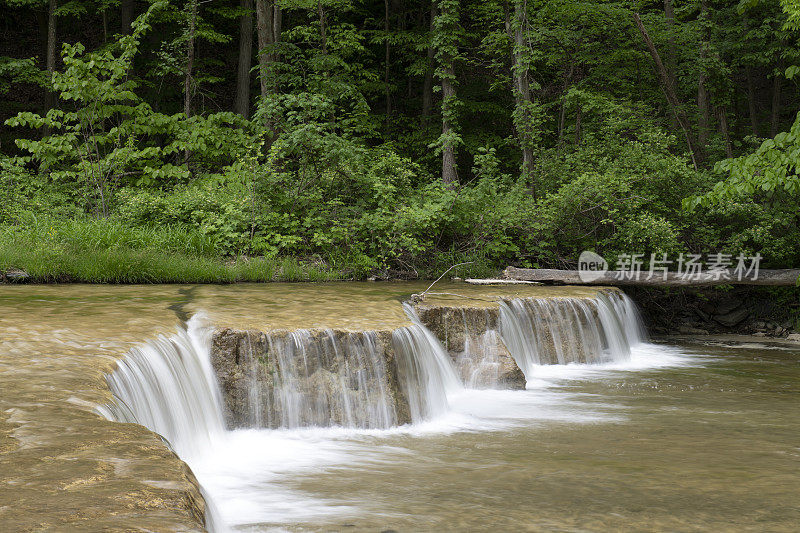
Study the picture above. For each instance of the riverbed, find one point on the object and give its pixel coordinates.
(688, 436)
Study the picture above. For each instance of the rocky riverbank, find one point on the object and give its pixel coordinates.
(762, 312)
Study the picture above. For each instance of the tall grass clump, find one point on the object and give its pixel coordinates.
(109, 251)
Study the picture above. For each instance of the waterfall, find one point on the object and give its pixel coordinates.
(366, 379)
(479, 364)
(192, 386)
(307, 378)
(570, 330)
(427, 373)
(319, 378)
(167, 384)
(373, 380)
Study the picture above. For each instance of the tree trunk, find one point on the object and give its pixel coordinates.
(446, 30)
(386, 61)
(521, 89)
(50, 60)
(104, 20)
(449, 171)
(277, 23)
(773, 278)
(265, 22)
(703, 100)
(126, 16)
(669, 14)
(722, 113)
(242, 103)
(751, 101)
(187, 84)
(668, 90)
(704, 118)
(776, 106)
(322, 29)
(427, 88)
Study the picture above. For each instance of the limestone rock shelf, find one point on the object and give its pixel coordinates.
(470, 334)
(309, 377)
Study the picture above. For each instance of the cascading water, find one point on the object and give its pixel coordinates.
(308, 378)
(426, 371)
(168, 385)
(313, 378)
(479, 364)
(181, 388)
(330, 378)
(541, 331)
(290, 380)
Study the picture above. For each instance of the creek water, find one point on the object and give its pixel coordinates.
(667, 435)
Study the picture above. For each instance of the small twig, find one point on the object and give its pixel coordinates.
(443, 273)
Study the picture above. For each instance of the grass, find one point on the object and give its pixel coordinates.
(108, 251)
(59, 250)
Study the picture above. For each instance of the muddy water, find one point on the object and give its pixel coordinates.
(687, 437)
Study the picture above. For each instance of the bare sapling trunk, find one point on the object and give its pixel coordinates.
(242, 103)
(187, 84)
(669, 91)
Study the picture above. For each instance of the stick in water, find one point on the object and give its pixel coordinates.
(443, 273)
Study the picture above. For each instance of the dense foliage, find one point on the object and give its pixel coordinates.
(393, 138)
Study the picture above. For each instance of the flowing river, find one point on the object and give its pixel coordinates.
(612, 431)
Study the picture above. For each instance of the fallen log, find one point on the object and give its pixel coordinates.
(774, 278)
(500, 282)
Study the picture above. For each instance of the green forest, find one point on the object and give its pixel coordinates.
(256, 140)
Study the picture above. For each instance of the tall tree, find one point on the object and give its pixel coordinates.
(277, 22)
(446, 42)
(751, 100)
(126, 16)
(265, 20)
(187, 83)
(386, 60)
(427, 87)
(242, 103)
(516, 27)
(50, 61)
(775, 115)
(669, 14)
(323, 26)
(703, 100)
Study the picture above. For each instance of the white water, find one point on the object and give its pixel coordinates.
(426, 371)
(479, 363)
(561, 331)
(255, 475)
(169, 386)
(319, 379)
